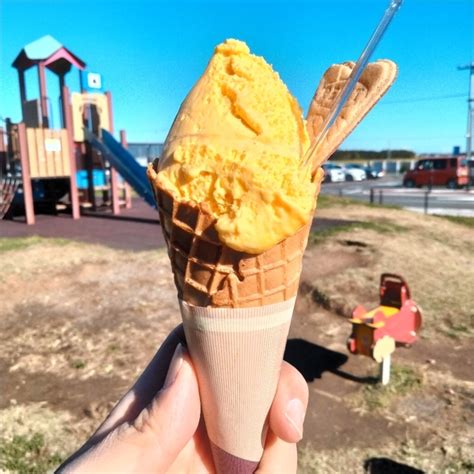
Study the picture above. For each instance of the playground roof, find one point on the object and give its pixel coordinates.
(51, 53)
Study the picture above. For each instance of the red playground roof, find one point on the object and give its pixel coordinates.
(51, 53)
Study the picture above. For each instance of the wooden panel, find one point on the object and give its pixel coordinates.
(32, 154)
(53, 150)
(48, 152)
(42, 165)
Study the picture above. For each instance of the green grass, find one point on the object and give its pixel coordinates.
(379, 226)
(326, 201)
(403, 380)
(461, 466)
(28, 455)
(8, 244)
(458, 330)
(78, 364)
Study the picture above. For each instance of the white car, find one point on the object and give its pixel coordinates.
(333, 173)
(354, 172)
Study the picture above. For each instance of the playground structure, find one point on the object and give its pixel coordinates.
(395, 322)
(70, 167)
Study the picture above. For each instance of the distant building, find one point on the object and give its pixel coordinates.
(145, 153)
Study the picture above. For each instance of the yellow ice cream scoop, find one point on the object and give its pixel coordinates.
(236, 146)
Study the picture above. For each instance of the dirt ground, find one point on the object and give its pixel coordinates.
(78, 322)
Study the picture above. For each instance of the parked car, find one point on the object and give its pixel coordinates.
(451, 172)
(333, 173)
(354, 172)
(373, 173)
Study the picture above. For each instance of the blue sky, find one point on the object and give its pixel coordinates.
(150, 53)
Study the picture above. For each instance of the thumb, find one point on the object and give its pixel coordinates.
(153, 440)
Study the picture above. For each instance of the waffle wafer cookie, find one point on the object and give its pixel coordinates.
(371, 86)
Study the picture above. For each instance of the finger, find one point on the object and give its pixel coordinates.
(289, 405)
(145, 388)
(158, 434)
(177, 407)
(278, 456)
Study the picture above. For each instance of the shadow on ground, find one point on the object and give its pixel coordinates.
(313, 360)
(387, 466)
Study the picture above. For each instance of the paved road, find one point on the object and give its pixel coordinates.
(444, 201)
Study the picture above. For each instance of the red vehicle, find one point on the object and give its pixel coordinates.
(438, 171)
(396, 321)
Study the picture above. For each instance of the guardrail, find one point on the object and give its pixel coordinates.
(426, 197)
(376, 194)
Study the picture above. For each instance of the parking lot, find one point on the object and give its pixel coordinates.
(389, 190)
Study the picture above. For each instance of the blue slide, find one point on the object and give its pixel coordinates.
(124, 162)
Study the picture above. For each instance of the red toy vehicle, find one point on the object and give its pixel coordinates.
(396, 321)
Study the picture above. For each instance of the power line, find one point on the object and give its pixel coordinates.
(389, 137)
(424, 99)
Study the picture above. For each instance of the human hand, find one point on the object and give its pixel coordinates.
(157, 425)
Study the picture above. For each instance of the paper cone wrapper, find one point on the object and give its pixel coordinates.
(237, 354)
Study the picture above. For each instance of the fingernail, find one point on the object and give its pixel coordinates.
(175, 366)
(295, 413)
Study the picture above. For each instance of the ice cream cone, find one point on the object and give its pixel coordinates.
(236, 310)
(235, 208)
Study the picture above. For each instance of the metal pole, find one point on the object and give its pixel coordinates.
(385, 369)
(371, 195)
(380, 196)
(426, 201)
(470, 108)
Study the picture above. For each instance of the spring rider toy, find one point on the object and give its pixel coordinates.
(395, 322)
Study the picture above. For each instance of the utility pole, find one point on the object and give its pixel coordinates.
(470, 106)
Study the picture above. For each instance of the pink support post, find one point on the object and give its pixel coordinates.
(115, 191)
(113, 173)
(43, 96)
(128, 191)
(72, 157)
(25, 175)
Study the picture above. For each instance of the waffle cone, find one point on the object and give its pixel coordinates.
(236, 310)
(209, 273)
